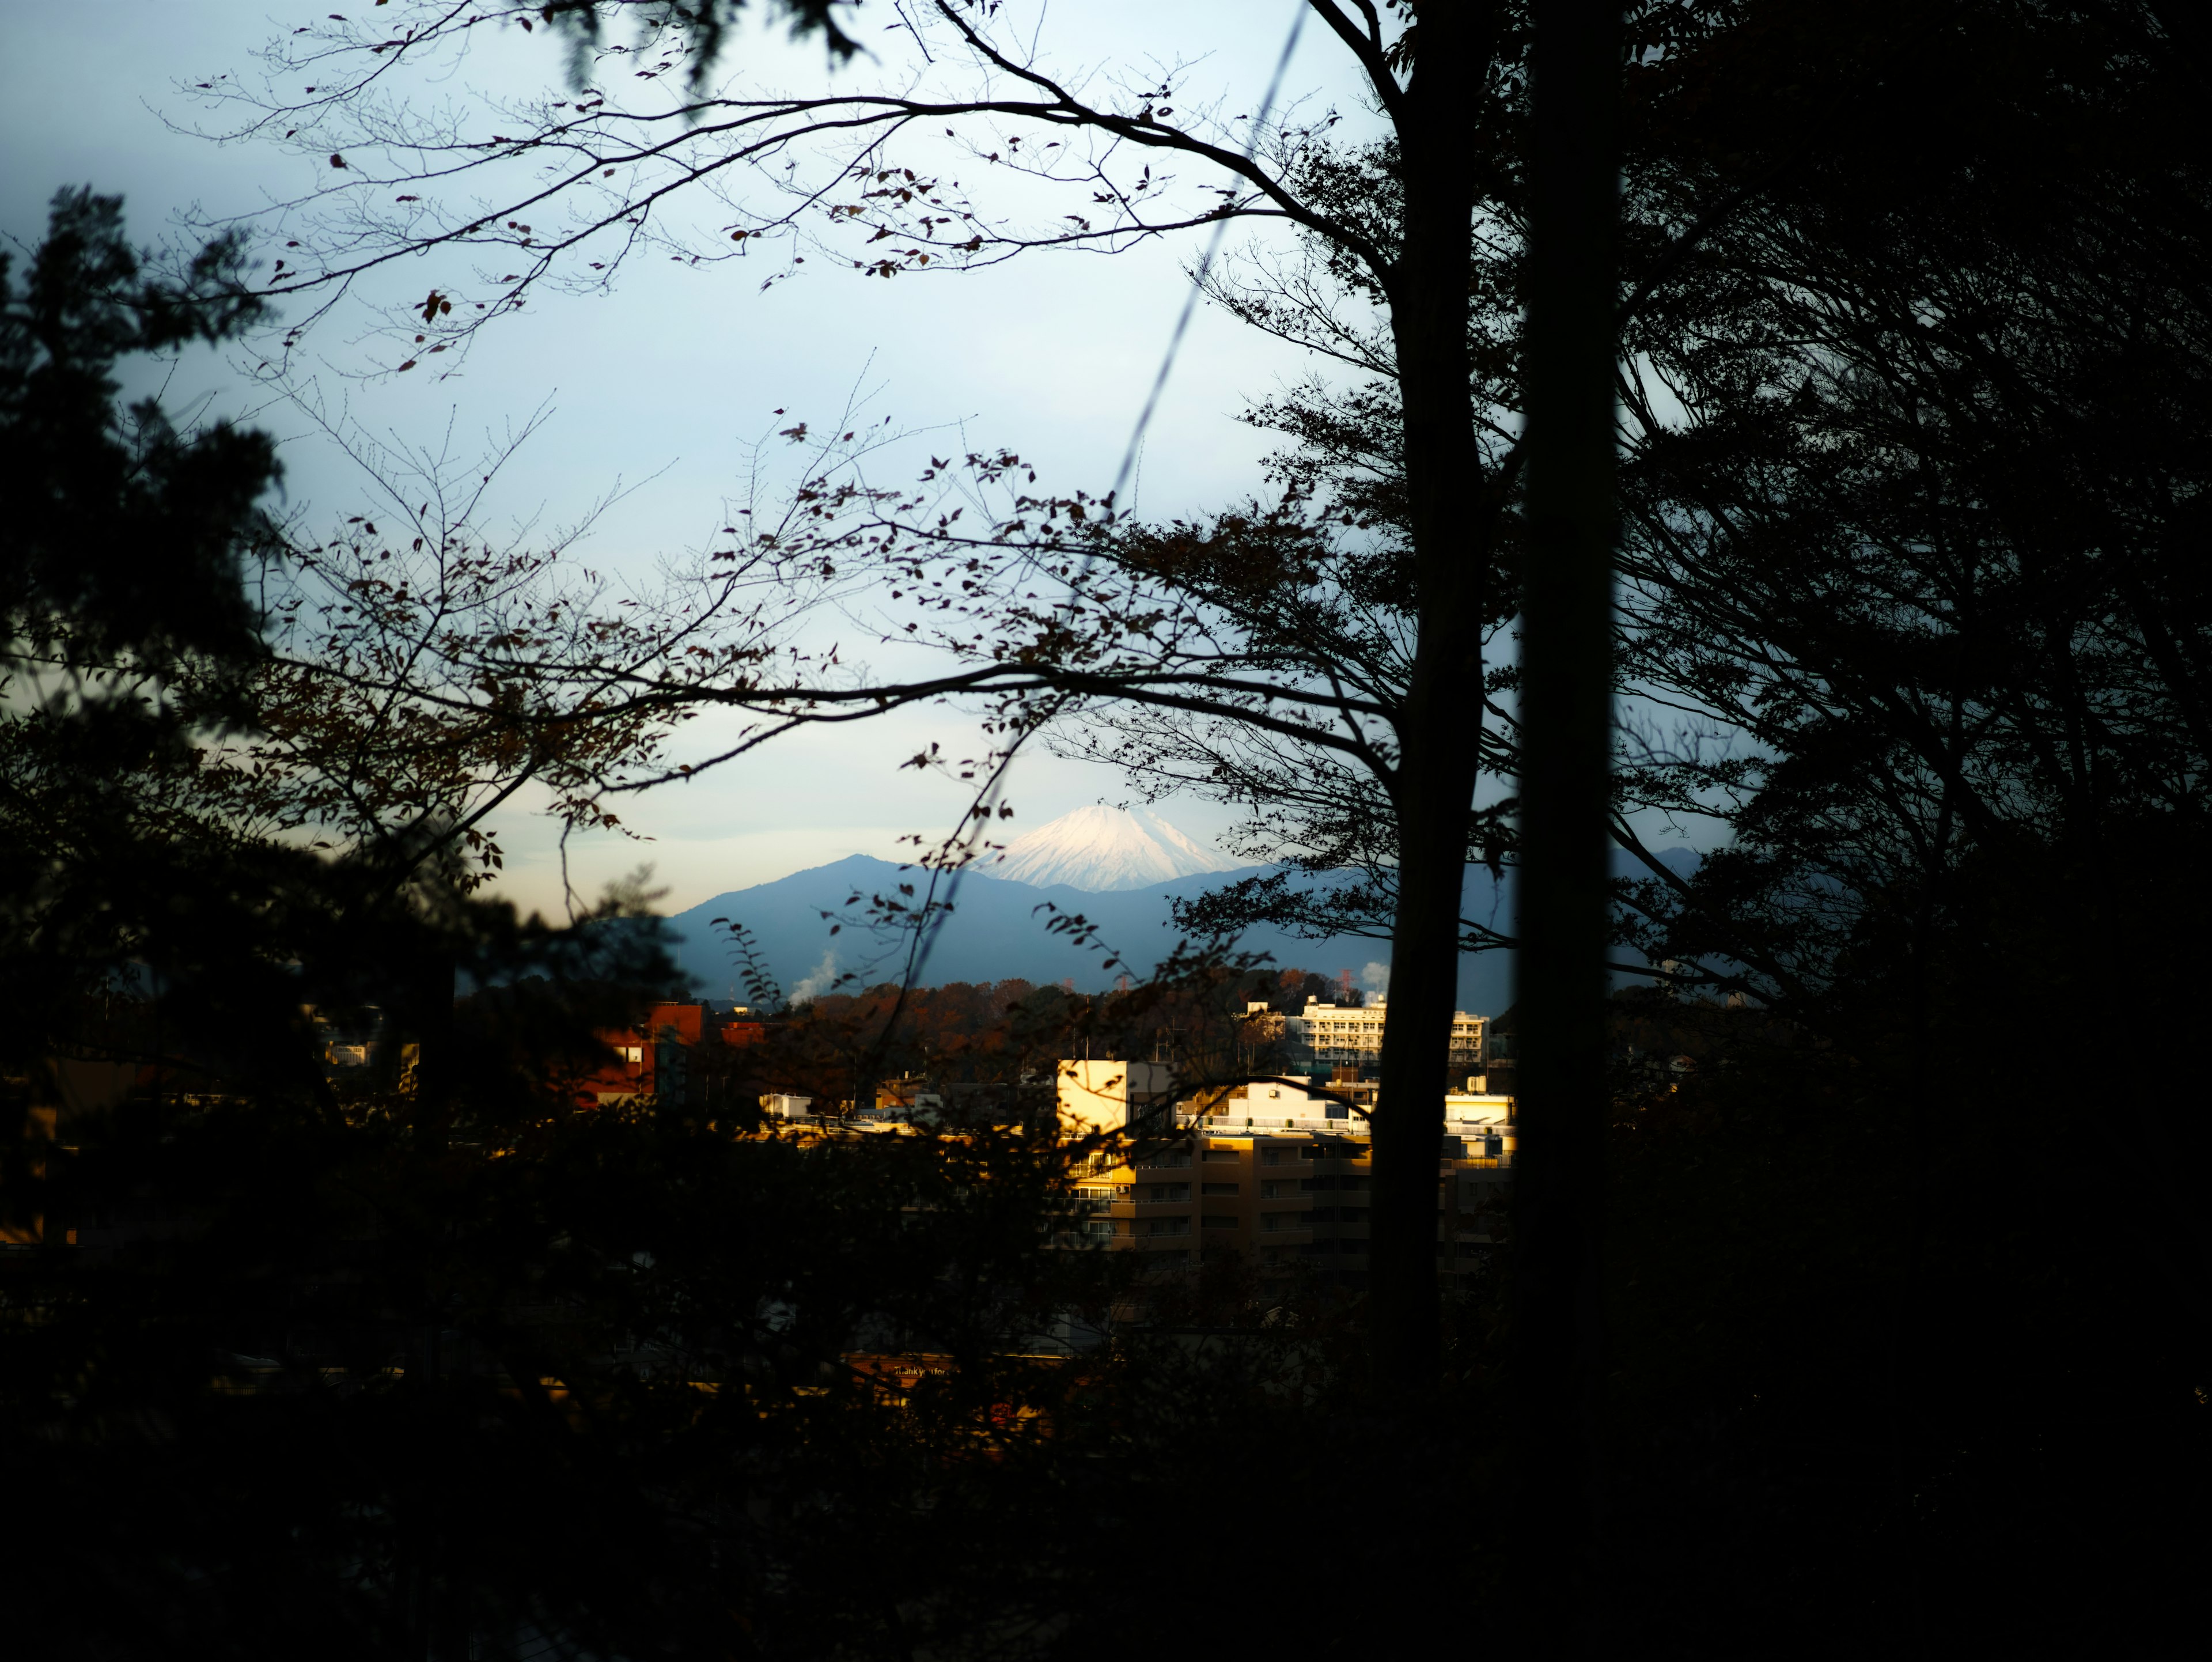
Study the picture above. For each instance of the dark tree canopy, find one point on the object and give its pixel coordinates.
(122, 537)
(1904, 1273)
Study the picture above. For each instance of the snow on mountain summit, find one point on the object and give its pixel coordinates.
(1105, 847)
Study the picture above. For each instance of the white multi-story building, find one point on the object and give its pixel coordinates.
(1286, 1195)
(1112, 1096)
(1350, 1035)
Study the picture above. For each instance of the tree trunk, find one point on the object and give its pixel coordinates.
(1409, 1115)
(1566, 722)
(431, 1018)
(1439, 729)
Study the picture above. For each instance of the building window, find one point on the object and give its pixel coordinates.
(1223, 1153)
(1215, 1220)
(1100, 1229)
(1175, 1162)
(1168, 1227)
(1167, 1191)
(1274, 1156)
(1217, 1188)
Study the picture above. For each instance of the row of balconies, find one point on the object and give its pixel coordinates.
(1340, 1238)
(1179, 1193)
(1132, 1197)
(1323, 1217)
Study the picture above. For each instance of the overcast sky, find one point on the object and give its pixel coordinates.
(670, 379)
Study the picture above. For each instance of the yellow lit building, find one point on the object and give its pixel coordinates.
(1271, 1175)
(1288, 1192)
(1113, 1096)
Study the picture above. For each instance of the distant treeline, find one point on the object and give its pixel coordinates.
(1000, 1031)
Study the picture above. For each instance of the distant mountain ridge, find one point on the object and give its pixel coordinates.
(998, 930)
(1099, 848)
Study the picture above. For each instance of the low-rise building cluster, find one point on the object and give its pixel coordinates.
(1271, 1169)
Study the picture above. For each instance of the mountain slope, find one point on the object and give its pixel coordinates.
(1101, 848)
(998, 930)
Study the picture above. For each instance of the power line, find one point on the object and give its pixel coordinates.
(931, 924)
(1205, 261)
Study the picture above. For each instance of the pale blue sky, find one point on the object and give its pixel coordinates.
(671, 378)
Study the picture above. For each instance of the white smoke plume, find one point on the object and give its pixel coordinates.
(823, 978)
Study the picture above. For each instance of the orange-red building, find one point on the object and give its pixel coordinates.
(659, 1057)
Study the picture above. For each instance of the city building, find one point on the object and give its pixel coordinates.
(356, 1049)
(1272, 1101)
(1501, 1061)
(1273, 1174)
(649, 1059)
(1113, 1096)
(1275, 1177)
(908, 1098)
(679, 1054)
(1289, 1202)
(1326, 1036)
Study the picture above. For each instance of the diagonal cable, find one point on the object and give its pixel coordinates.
(1204, 264)
(932, 922)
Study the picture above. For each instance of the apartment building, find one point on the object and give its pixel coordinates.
(1326, 1036)
(1274, 1176)
(678, 1053)
(1276, 1101)
(1290, 1201)
(651, 1058)
(1112, 1096)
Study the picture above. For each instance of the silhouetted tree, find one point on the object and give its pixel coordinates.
(1387, 673)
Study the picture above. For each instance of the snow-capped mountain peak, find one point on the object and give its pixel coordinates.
(1105, 847)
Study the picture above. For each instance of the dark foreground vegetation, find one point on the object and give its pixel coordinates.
(1906, 1271)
